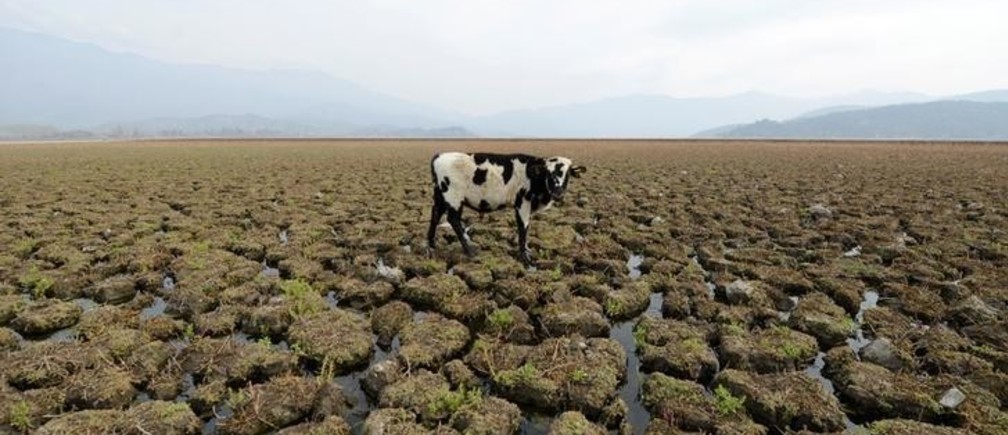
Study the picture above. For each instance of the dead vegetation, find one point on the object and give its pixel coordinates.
(171, 287)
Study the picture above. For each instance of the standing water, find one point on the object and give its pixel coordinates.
(633, 265)
(859, 341)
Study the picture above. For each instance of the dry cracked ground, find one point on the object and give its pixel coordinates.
(242, 287)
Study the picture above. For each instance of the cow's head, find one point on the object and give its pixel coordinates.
(558, 173)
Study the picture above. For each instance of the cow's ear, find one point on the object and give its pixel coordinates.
(576, 171)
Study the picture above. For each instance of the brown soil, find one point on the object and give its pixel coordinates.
(250, 286)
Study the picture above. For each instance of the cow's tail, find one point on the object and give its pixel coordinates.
(433, 174)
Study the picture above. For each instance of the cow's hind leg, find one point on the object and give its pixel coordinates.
(523, 217)
(455, 219)
(437, 210)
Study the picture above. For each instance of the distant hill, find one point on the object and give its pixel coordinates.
(66, 84)
(663, 116)
(218, 126)
(941, 120)
(53, 88)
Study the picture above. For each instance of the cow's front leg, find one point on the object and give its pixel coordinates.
(455, 219)
(523, 216)
(436, 212)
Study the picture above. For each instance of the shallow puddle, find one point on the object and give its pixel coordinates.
(630, 391)
(86, 304)
(815, 372)
(633, 265)
(157, 308)
(859, 341)
(269, 271)
(168, 283)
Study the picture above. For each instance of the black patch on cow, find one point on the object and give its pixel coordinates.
(558, 170)
(505, 161)
(484, 205)
(445, 182)
(479, 177)
(540, 180)
(520, 198)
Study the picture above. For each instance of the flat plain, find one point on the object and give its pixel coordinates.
(685, 286)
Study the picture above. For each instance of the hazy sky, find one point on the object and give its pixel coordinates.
(485, 56)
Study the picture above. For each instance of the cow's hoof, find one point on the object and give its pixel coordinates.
(429, 251)
(526, 258)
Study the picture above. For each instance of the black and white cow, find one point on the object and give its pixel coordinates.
(487, 182)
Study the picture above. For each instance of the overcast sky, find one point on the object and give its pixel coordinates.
(485, 56)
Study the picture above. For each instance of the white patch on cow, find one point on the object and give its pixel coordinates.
(459, 169)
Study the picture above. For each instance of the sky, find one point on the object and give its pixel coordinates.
(480, 57)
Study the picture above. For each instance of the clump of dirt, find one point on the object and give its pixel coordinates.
(393, 421)
(521, 292)
(146, 361)
(101, 388)
(683, 402)
(685, 406)
(448, 295)
(162, 327)
(219, 322)
(360, 295)
(381, 375)
(910, 427)
(88, 421)
(46, 316)
(459, 375)
(339, 338)
(488, 415)
(675, 347)
(207, 396)
(432, 341)
(875, 392)
(628, 301)
(512, 324)
(766, 350)
(419, 393)
(790, 399)
(576, 315)
(920, 303)
(681, 300)
(116, 289)
(27, 410)
(162, 417)
(9, 340)
(332, 424)
(818, 316)
(277, 403)
(574, 423)
(232, 362)
(845, 292)
(477, 276)
(387, 320)
(116, 345)
(561, 373)
(43, 364)
(103, 319)
(10, 306)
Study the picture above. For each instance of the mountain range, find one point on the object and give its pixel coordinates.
(56, 88)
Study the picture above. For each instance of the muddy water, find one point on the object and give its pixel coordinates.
(269, 271)
(351, 386)
(157, 307)
(633, 265)
(168, 283)
(630, 391)
(859, 341)
(815, 372)
(710, 284)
